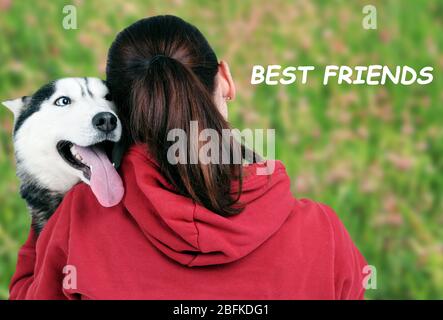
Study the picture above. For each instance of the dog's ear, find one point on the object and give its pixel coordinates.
(16, 106)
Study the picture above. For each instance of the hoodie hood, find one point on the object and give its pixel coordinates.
(193, 235)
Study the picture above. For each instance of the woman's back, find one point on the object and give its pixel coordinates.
(160, 245)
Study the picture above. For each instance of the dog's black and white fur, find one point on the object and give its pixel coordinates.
(61, 114)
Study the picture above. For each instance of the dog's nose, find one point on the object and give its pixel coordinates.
(105, 122)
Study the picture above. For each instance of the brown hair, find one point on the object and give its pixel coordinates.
(161, 74)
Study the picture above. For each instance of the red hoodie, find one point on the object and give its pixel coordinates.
(157, 244)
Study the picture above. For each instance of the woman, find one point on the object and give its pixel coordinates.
(185, 231)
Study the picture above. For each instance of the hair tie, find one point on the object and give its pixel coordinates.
(157, 57)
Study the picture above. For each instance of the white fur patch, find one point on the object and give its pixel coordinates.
(36, 139)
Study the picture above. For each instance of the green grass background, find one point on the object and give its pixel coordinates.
(372, 153)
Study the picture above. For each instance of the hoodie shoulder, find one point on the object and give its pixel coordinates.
(319, 218)
(322, 222)
(315, 218)
(321, 225)
(85, 208)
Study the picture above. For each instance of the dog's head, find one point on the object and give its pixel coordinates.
(60, 132)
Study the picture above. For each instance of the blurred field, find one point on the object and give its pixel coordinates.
(375, 154)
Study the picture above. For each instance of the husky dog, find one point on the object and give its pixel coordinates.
(62, 134)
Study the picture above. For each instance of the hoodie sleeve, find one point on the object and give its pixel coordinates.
(24, 272)
(40, 263)
(348, 261)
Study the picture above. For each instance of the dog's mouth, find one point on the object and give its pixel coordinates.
(68, 152)
(97, 170)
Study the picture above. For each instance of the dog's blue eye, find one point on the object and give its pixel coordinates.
(62, 101)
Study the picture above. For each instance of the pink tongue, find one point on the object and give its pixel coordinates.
(105, 182)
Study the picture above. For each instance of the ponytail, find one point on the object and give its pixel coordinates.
(161, 73)
(167, 96)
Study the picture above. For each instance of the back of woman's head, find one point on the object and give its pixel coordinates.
(161, 73)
